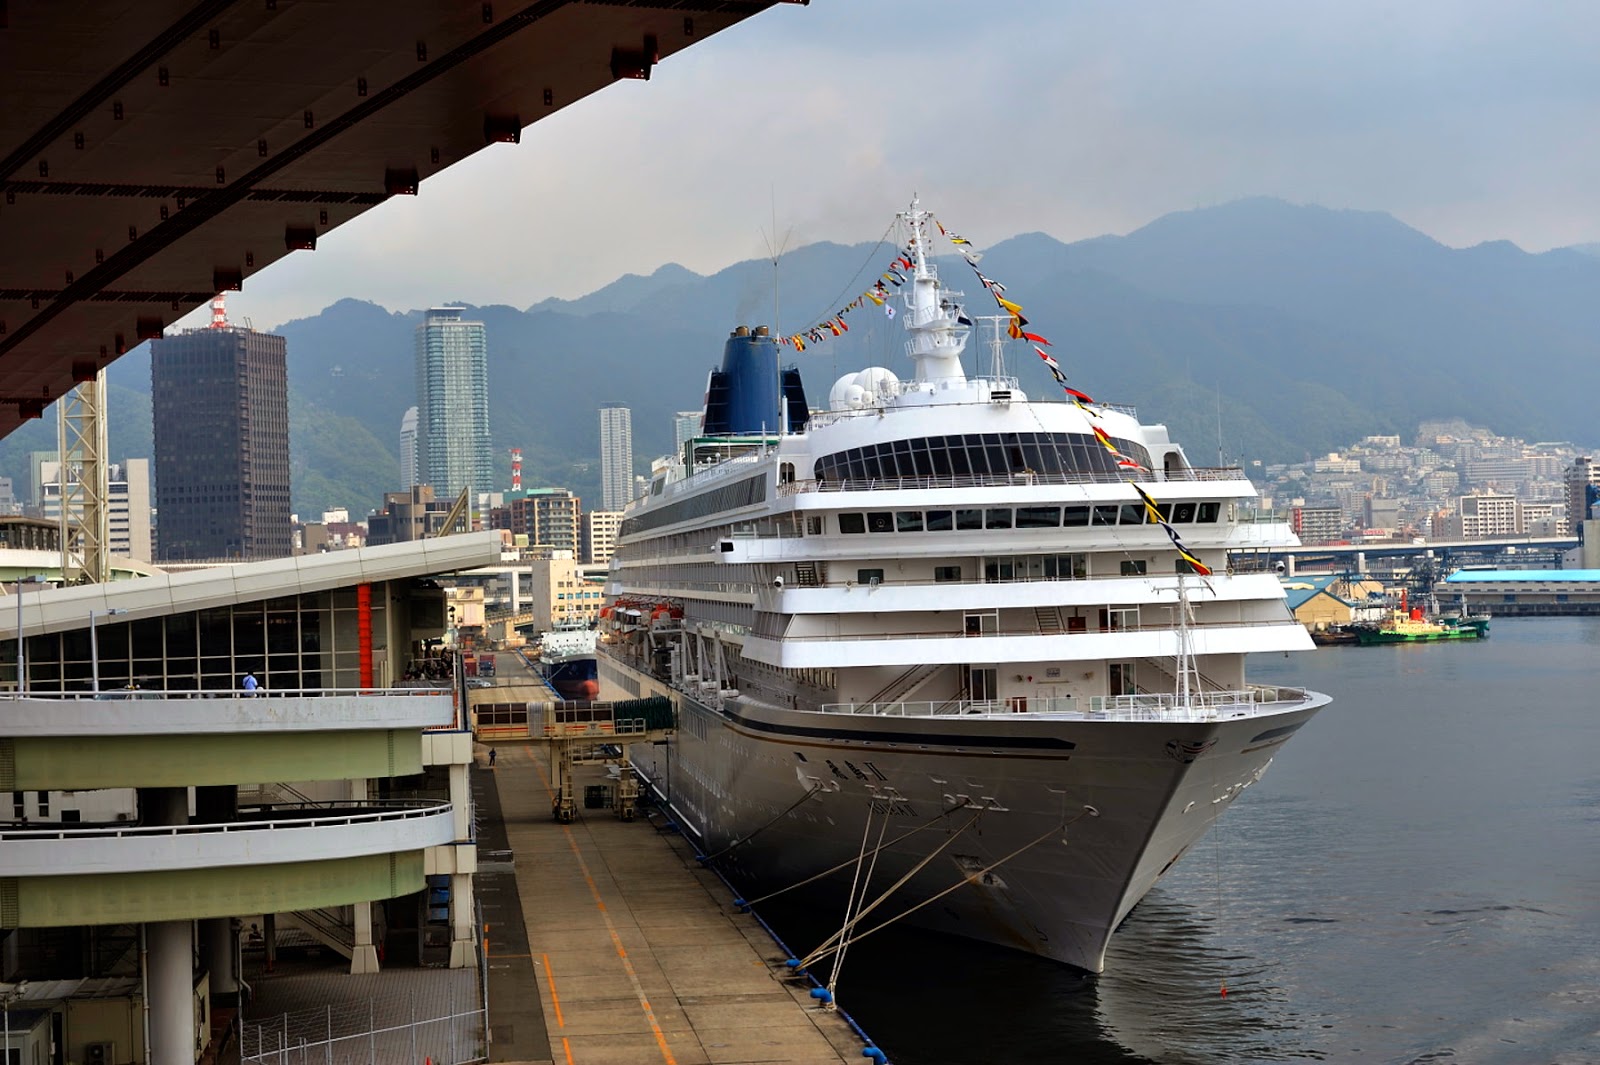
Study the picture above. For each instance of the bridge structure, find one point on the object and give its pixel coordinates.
(154, 154)
(1543, 552)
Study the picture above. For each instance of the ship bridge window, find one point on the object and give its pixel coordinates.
(1069, 456)
(1038, 517)
(852, 523)
(1182, 512)
(1074, 516)
(969, 519)
(880, 521)
(908, 521)
(997, 518)
(1133, 513)
(1105, 515)
(1208, 512)
(940, 521)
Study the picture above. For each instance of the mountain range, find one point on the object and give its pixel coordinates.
(1256, 330)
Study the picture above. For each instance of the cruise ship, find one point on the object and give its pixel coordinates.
(941, 652)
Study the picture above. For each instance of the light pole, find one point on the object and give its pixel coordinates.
(94, 646)
(22, 657)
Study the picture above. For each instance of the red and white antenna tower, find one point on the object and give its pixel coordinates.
(219, 313)
(516, 469)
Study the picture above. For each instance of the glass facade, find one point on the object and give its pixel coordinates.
(1066, 456)
(294, 642)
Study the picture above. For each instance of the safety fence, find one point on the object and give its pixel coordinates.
(374, 1033)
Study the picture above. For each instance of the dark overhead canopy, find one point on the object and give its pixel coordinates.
(154, 153)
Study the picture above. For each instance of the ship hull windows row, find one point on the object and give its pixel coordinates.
(1073, 456)
(743, 493)
(974, 519)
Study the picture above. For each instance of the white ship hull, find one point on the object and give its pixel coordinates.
(1013, 789)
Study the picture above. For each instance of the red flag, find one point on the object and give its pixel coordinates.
(1079, 396)
(1036, 338)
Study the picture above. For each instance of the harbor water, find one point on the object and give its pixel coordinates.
(1416, 878)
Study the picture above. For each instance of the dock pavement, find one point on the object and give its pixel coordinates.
(608, 944)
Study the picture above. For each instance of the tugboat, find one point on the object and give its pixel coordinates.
(1414, 626)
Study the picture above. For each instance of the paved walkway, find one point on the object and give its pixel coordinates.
(636, 954)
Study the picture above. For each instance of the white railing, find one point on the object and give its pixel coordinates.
(369, 811)
(223, 693)
(1202, 706)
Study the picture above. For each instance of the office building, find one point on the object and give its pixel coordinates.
(549, 517)
(1582, 482)
(127, 498)
(561, 593)
(616, 456)
(452, 403)
(408, 448)
(685, 427)
(410, 515)
(600, 528)
(220, 401)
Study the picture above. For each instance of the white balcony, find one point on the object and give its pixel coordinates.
(191, 713)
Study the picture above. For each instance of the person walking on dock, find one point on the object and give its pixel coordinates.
(491, 757)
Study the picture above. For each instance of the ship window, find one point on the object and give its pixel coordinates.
(880, 521)
(997, 518)
(814, 525)
(999, 571)
(869, 576)
(786, 473)
(1182, 512)
(969, 519)
(1064, 567)
(1133, 513)
(947, 573)
(1133, 567)
(1105, 515)
(1073, 516)
(1038, 517)
(1208, 512)
(940, 521)
(908, 521)
(852, 523)
(1183, 565)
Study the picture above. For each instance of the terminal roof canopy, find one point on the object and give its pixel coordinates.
(152, 154)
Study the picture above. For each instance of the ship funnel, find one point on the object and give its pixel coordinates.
(743, 396)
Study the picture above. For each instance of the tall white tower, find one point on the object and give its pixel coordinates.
(616, 456)
(408, 448)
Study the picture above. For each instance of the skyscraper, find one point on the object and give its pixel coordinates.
(220, 402)
(685, 427)
(408, 448)
(616, 456)
(452, 403)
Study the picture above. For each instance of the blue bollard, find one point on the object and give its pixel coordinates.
(822, 994)
(875, 1054)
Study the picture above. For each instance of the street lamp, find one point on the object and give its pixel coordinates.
(7, 997)
(94, 645)
(22, 658)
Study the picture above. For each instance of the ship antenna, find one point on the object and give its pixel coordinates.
(775, 250)
(997, 344)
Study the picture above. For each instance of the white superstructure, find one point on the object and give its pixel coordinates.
(935, 625)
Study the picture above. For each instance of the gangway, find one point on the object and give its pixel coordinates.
(584, 733)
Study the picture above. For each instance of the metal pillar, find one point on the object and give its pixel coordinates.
(84, 480)
(461, 801)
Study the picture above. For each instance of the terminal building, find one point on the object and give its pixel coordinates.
(159, 809)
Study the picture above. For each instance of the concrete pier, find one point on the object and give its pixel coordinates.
(633, 949)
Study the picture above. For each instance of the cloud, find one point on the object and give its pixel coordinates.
(1470, 120)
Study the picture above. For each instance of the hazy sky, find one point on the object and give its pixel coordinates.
(1471, 121)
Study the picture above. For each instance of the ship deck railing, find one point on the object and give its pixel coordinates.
(995, 480)
(951, 634)
(1148, 706)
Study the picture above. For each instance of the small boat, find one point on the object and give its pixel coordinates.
(1415, 627)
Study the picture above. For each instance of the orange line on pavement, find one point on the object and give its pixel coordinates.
(568, 1048)
(554, 998)
(627, 963)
